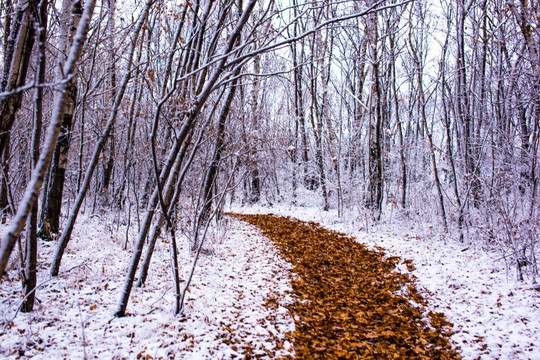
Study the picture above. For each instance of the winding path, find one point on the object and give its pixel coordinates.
(350, 303)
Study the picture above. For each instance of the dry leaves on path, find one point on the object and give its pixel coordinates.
(350, 303)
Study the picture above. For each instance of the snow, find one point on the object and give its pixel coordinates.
(235, 306)
(494, 316)
(237, 302)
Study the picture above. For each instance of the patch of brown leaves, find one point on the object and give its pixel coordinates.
(350, 304)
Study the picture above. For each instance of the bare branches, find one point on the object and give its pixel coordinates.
(10, 236)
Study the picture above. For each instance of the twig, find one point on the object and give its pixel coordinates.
(200, 245)
(158, 300)
(82, 330)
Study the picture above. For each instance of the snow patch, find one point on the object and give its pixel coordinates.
(235, 306)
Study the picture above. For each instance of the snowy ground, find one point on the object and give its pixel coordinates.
(235, 305)
(494, 316)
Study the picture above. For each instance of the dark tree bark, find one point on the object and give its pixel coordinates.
(4, 162)
(52, 206)
(212, 171)
(16, 59)
(375, 186)
(110, 147)
(171, 199)
(399, 126)
(30, 269)
(255, 181)
(5, 205)
(463, 105)
(524, 13)
(449, 147)
(299, 111)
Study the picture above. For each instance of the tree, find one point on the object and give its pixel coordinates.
(417, 55)
(206, 86)
(375, 186)
(18, 49)
(29, 276)
(52, 197)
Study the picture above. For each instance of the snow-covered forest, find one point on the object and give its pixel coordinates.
(130, 130)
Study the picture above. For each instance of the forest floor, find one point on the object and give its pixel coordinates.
(236, 304)
(303, 289)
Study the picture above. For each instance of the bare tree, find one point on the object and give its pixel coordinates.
(52, 204)
(32, 190)
(29, 276)
(375, 187)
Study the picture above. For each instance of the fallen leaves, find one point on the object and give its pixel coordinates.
(350, 303)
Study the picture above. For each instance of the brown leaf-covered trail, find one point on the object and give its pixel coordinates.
(349, 301)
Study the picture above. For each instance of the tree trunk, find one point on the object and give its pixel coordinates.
(5, 206)
(52, 206)
(254, 194)
(30, 269)
(171, 201)
(300, 114)
(109, 149)
(401, 138)
(463, 106)
(16, 59)
(375, 187)
(317, 124)
(212, 171)
(417, 58)
(449, 147)
(523, 16)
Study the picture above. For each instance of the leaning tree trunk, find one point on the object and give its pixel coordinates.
(189, 122)
(171, 198)
(212, 172)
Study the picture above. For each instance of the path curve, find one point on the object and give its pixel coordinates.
(350, 302)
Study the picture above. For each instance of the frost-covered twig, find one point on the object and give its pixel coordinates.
(83, 337)
(194, 264)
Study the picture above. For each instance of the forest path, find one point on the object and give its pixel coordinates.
(349, 301)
